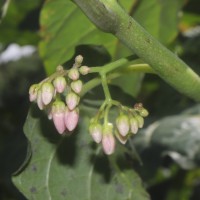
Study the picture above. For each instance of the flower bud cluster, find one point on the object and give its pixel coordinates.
(59, 95)
(126, 124)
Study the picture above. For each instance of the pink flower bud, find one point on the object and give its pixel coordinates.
(134, 125)
(108, 140)
(47, 92)
(58, 114)
(140, 121)
(33, 92)
(60, 84)
(122, 123)
(77, 86)
(39, 100)
(71, 119)
(84, 70)
(122, 139)
(73, 74)
(95, 130)
(72, 100)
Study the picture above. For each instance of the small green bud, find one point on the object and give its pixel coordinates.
(33, 92)
(143, 112)
(77, 86)
(72, 100)
(73, 74)
(60, 84)
(78, 60)
(48, 91)
(140, 121)
(84, 70)
(59, 68)
(134, 125)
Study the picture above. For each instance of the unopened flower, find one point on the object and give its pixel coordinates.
(122, 123)
(108, 140)
(140, 121)
(78, 60)
(77, 86)
(72, 100)
(60, 84)
(122, 139)
(71, 118)
(33, 92)
(59, 68)
(73, 74)
(47, 90)
(39, 100)
(95, 130)
(84, 70)
(133, 125)
(143, 112)
(58, 115)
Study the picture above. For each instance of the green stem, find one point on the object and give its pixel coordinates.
(138, 68)
(142, 68)
(90, 85)
(113, 65)
(110, 17)
(105, 88)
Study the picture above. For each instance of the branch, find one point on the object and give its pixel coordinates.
(108, 16)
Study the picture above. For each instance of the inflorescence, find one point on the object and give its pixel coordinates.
(59, 96)
(125, 125)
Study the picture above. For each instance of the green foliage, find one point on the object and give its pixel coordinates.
(73, 167)
(63, 27)
(160, 18)
(175, 136)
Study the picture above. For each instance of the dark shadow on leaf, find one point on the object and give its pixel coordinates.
(67, 149)
(102, 166)
(47, 128)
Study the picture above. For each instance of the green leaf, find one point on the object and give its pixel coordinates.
(73, 168)
(176, 136)
(160, 18)
(63, 27)
(129, 83)
(128, 4)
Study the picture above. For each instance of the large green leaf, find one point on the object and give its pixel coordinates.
(63, 27)
(129, 83)
(72, 168)
(175, 136)
(160, 18)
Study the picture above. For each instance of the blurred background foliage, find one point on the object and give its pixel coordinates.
(169, 146)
